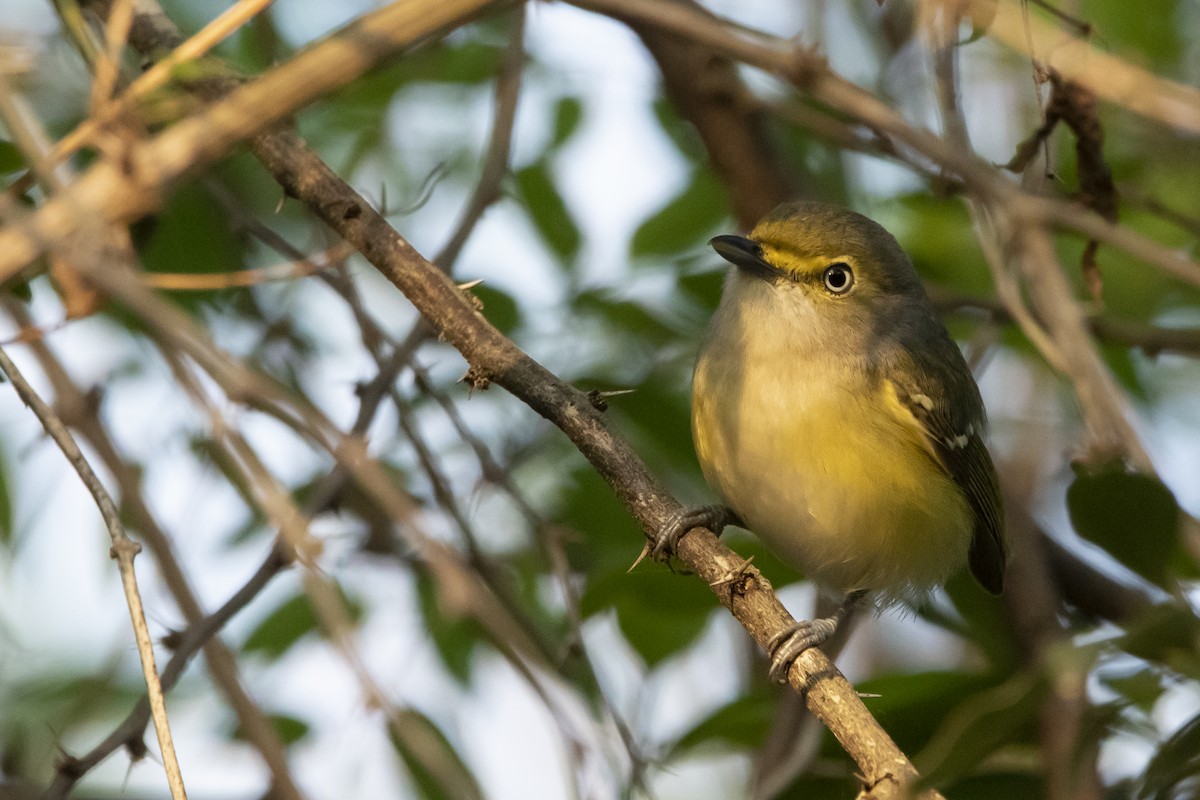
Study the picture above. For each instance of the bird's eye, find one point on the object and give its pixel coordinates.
(838, 277)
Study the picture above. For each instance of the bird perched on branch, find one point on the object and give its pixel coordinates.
(837, 420)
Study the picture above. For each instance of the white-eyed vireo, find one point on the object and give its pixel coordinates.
(832, 413)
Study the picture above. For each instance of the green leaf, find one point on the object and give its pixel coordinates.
(627, 315)
(568, 113)
(454, 638)
(289, 729)
(704, 287)
(979, 726)
(6, 505)
(192, 235)
(11, 158)
(1132, 516)
(1177, 759)
(436, 767)
(938, 236)
(290, 622)
(447, 61)
(499, 308)
(687, 220)
(548, 211)
(911, 706)
(743, 722)
(1142, 687)
(659, 613)
(611, 539)
(986, 620)
(1165, 634)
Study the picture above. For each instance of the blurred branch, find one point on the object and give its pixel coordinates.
(375, 340)
(80, 410)
(157, 162)
(1109, 77)
(129, 732)
(703, 85)
(1032, 601)
(496, 158)
(157, 75)
(1150, 339)
(292, 524)
(302, 267)
(1030, 596)
(124, 550)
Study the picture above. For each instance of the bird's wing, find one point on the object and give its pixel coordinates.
(924, 380)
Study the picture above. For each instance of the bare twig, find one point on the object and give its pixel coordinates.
(1150, 339)
(104, 111)
(124, 550)
(204, 137)
(302, 267)
(705, 88)
(108, 67)
(1109, 77)
(499, 149)
(80, 410)
(186, 645)
(276, 504)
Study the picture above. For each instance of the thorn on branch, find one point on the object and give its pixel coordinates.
(596, 398)
(474, 300)
(476, 378)
(599, 399)
(737, 579)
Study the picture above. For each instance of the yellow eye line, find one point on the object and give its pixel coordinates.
(797, 267)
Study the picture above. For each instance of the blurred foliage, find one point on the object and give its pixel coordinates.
(611, 311)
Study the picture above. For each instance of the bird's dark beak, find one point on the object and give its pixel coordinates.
(743, 253)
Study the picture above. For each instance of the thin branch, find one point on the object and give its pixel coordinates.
(704, 86)
(202, 138)
(157, 76)
(124, 550)
(499, 149)
(1150, 339)
(108, 67)
(302, 267)
(276, 504)
(80, 410)
(1109, 77)
(186, 645)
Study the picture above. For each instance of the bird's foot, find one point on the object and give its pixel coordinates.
(682, 520)
(787, 645)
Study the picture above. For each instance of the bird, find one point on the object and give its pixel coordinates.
(836, 419)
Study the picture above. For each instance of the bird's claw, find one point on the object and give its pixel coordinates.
(787, 645)
(682, 520)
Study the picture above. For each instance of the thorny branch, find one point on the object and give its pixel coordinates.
(165, 158)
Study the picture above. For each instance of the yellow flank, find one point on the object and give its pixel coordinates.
(833, 473)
